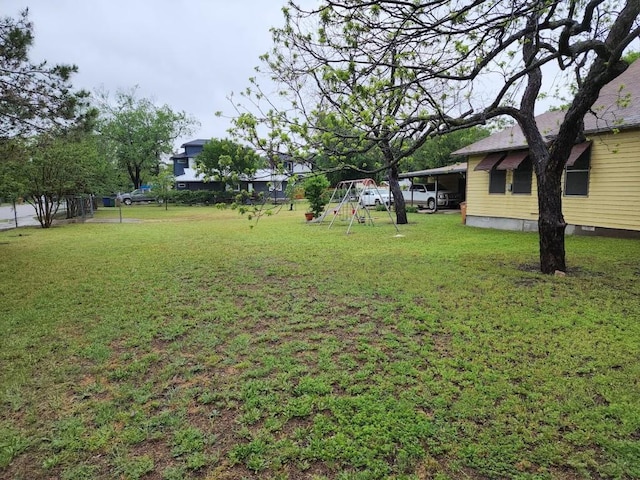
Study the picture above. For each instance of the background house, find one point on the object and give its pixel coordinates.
(184, 168)
(271, 182)
(601, 182)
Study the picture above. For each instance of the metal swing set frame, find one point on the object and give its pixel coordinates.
(350, 206)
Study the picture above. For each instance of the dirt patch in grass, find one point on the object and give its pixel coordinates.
(442, 344)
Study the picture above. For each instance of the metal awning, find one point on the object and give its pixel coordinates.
(490, 161)
(513, 160)
(446, 170)
(576, 152)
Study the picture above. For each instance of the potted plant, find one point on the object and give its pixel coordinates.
(315, 190)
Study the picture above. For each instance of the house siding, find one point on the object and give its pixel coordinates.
(613, 201)
(178, 167)
(503, 205)
(192, 150)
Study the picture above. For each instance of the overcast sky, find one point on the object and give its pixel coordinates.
(189, 54)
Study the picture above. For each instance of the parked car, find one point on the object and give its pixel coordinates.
(424, 194)
(137, 196)
(374, 196)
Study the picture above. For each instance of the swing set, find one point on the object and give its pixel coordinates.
(351, 205)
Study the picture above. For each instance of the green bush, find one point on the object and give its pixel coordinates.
(203, 197)
(315, 190)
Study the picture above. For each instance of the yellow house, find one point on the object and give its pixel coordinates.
(601, 180)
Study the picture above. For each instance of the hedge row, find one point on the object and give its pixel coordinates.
(206, 197)
(212, 197)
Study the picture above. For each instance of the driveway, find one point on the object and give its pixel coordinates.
(25, 213)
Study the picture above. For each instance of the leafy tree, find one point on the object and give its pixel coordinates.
(13, 155)
(436, 151)
(54, 167)
(162, 184)
(139, 132)
(407, 71)
(109, 178)
(34, 97)
(631, 57)
(359, 165)
(315, 190)
(358, 112)
(226, 161)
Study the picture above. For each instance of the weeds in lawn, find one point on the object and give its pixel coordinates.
(189, 345)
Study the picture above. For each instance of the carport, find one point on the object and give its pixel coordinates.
(450, 177)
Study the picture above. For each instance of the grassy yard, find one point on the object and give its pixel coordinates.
(189, 345)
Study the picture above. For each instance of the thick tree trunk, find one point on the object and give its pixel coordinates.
(137, 180)
(551, 224)
(394, 184)
(134, 174)
(398, 199)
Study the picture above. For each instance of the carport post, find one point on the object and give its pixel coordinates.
(436, 184)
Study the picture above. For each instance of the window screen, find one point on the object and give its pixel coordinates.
(497, 181)
(522, 177)
(576, 178)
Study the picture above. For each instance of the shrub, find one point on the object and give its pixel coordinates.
(315, 189)
(203, 197)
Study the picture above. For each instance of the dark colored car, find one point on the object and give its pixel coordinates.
(137, 196)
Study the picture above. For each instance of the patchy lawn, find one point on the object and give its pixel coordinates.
(189, 345)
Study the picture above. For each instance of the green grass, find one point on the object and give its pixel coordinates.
(189, 345)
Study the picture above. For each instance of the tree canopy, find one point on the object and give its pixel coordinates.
(226, 161)
(139, 132)
(436, 151)
(163, 184)
(34, 97)
(47, 168)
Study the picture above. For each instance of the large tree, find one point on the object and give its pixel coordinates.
(424, 68)
(140, 132)
(344, 103)
(34, 97)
